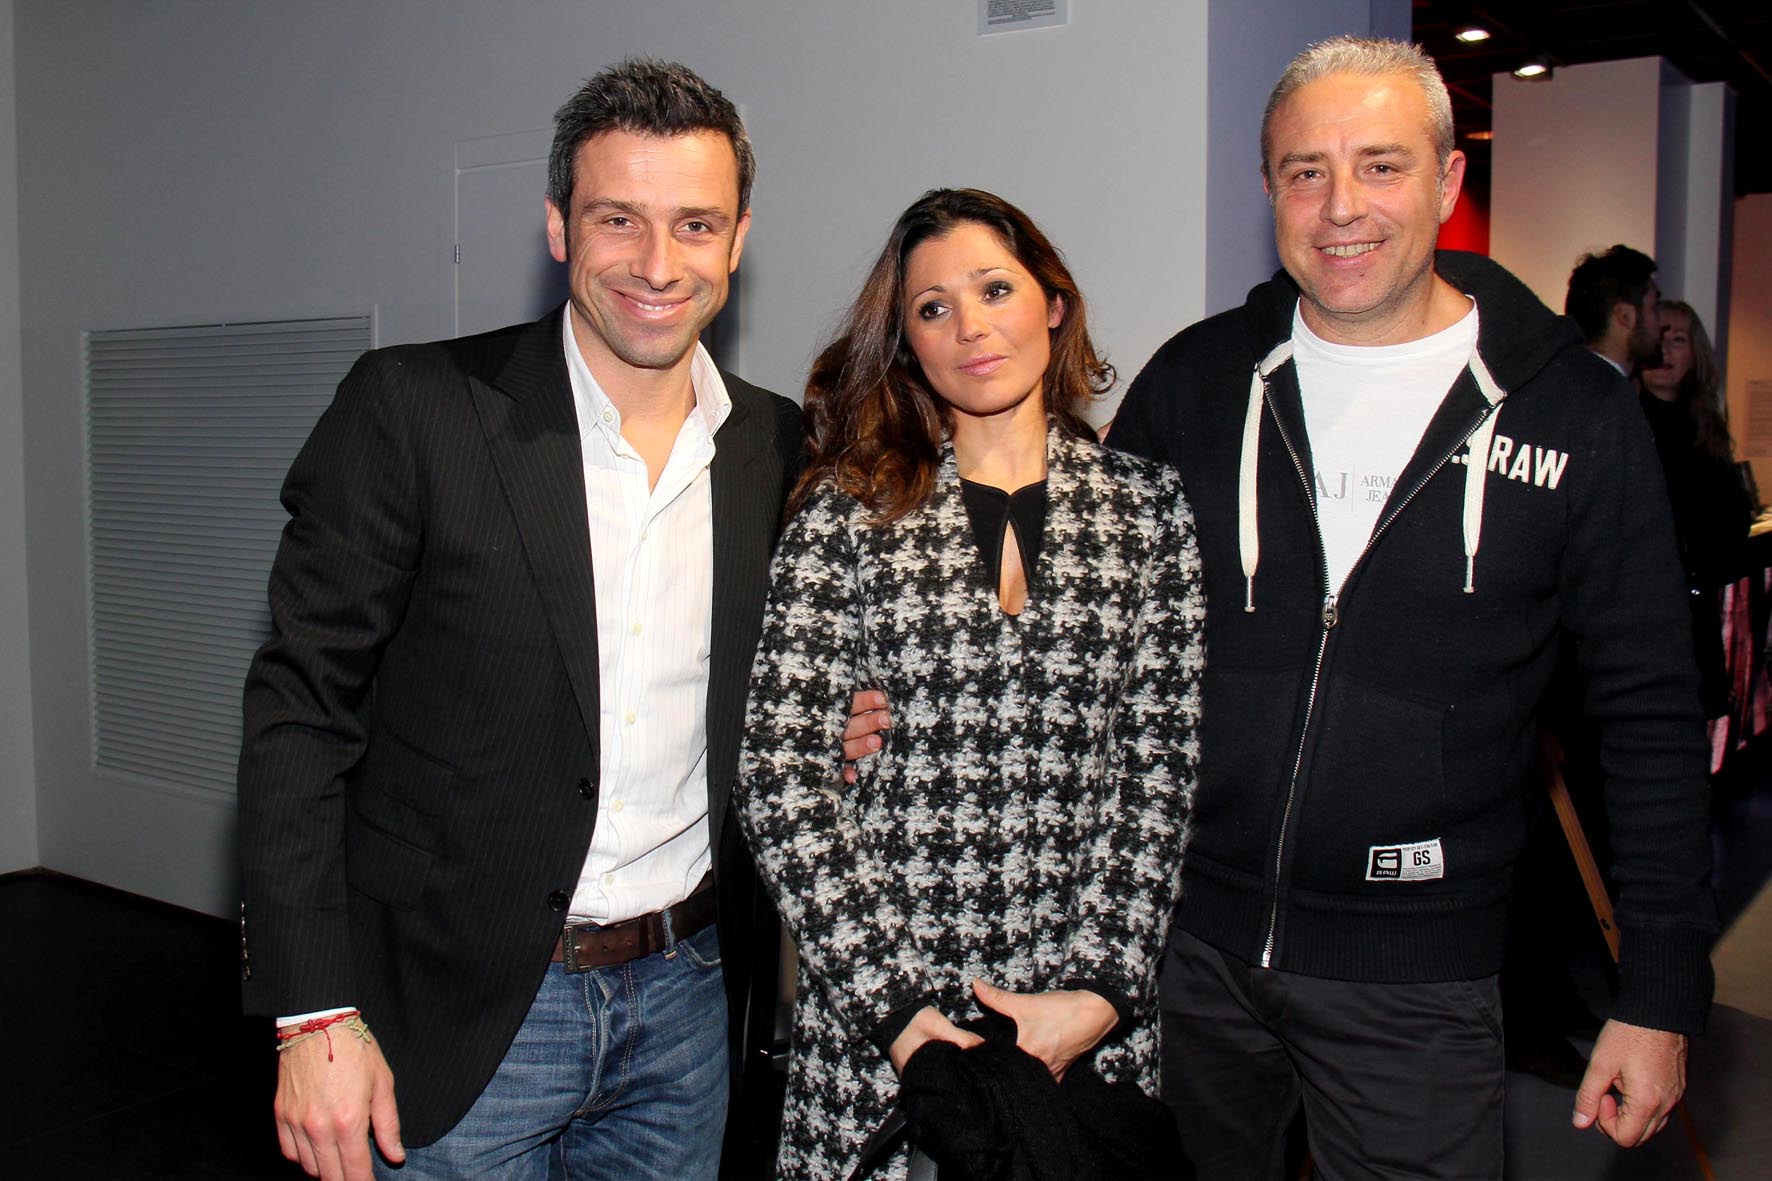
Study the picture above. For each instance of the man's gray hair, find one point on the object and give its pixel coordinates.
(1371, 57)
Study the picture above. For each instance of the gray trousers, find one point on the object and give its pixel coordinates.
(1397, 1080)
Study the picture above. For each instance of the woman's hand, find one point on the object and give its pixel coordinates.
(862, 736)
(1055, 1027)
(928, 1026)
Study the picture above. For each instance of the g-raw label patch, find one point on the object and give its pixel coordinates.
(1420, 862)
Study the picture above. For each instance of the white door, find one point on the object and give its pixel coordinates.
(504, 273)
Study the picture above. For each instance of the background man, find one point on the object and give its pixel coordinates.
(1408, 477)
(515, 609)
(1615, 302)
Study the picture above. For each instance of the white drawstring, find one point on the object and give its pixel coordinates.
(1248, 528)
(1476, 468)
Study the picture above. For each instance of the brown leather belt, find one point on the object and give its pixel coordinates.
(583, 946)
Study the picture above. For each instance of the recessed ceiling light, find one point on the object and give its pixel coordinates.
(1533, 70)
(1472, 34)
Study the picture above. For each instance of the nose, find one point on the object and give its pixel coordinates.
(969, 321)
(1345, 202)
(657, 263)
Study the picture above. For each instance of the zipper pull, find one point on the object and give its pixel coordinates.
(1331, 614)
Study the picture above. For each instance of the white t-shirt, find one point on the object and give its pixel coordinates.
(1365, 408)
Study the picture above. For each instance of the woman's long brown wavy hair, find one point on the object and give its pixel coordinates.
(1700, 391)
(874, 427)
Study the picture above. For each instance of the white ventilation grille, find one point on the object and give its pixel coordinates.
(190, 432)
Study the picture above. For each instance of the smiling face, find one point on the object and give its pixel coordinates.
(979, 323)
(1359, 198)
(1676, 356)
(651, 241)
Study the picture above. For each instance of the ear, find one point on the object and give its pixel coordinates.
(556, 230)
(738, 236)
(1625, 316)
(1451, 184)
(1055, 312)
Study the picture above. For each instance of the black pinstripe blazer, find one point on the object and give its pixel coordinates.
(418, 776)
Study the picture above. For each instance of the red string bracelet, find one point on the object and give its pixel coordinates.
(289, 1034)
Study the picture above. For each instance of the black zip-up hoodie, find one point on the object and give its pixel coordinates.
(1368, 751)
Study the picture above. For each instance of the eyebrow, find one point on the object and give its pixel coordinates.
(978, 274)
(612, 204)
(1366, 152)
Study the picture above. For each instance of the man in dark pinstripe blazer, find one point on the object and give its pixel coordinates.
(489, 747)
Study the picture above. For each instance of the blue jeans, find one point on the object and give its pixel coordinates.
(616, 1074)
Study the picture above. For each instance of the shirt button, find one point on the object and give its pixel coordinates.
(634, 627)
(632, 717)
(615, 807)
(609, 879)
(557, 900)
(586, 788)
(608, 415)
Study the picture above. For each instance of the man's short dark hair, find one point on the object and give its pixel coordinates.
(644, 96)
(1599, 281)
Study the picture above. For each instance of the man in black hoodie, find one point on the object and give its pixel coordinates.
(1409, 480)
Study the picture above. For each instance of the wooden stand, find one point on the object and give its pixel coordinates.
(1551, 757)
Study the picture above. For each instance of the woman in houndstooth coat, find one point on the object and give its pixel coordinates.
(1029, 601)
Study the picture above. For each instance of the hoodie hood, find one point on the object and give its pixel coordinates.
(1517, 337)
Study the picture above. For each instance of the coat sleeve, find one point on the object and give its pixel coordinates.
(1623, 597)
(1130, 874)
(1136, 427)
(338, 591)
(793, 805)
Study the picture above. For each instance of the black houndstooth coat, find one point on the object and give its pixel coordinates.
(1026, 821)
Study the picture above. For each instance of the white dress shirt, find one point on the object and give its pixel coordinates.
(652, 555)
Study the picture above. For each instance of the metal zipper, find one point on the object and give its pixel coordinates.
(1330, 617)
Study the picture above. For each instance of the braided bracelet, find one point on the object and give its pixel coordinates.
(295, 1035)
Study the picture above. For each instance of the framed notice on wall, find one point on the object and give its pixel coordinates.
(1009, 16)
(1759, 417)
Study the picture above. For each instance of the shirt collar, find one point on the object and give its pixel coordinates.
(595, 411)
(1622, 371)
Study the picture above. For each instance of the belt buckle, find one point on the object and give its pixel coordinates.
(569, 949)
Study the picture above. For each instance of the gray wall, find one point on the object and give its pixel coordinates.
(192, 162)
(182, 161)
(18, 796)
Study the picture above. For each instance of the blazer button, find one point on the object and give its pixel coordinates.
(558, 900)
(586, 788)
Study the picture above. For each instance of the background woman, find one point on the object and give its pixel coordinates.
(1682, 399)
(1030, 603)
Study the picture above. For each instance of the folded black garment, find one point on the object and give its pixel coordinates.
(994, 1113)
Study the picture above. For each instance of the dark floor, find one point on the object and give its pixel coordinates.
(121, 1057)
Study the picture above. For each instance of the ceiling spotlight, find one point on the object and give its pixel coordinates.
(1536, 70)
(1472, 35)
(1484, 134)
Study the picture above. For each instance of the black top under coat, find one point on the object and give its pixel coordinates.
(1023, 510)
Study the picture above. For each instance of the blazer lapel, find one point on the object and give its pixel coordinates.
(532, 429)
(745, 482)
